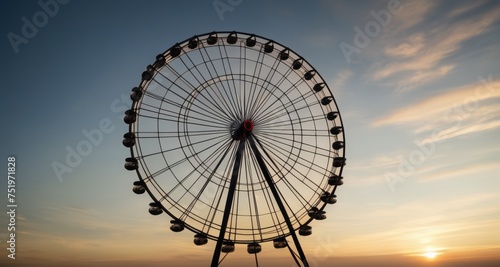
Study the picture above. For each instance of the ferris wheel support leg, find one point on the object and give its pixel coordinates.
(267, 176)
(229, 203)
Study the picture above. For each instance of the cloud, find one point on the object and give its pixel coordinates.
(465, 112)
(420, 76)
(74, 233)
(360, 172)
(470, 126)
(468, 6)
(419, 57)
(447, 220)
(410, 47)
(412, 14)
(471, 170)
(339, 80)
(470, 104)
(408, 238)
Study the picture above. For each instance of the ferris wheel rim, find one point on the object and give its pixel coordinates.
(135, 154)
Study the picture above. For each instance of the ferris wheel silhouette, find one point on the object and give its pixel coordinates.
(238, 139)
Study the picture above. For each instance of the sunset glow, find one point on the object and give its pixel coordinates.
(417, 84)
(430, 254)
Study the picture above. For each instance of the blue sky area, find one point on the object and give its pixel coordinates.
(417, 84)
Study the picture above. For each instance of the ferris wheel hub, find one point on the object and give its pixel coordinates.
(244, 128)
(248, 125)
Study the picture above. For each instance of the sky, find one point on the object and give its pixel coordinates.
(417, 84)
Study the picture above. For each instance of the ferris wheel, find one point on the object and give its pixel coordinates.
(238, 139)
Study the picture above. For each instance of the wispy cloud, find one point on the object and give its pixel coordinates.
(418, 59)
(429, 220)
(466, 7)
(410, 47)
(412, 14)
(360, 172)
(338, 81)
(76, 232)
(467, 170)
(457, 112)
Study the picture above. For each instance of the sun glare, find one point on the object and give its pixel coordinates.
(430, 254)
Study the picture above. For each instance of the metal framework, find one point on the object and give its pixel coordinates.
(238, 139)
